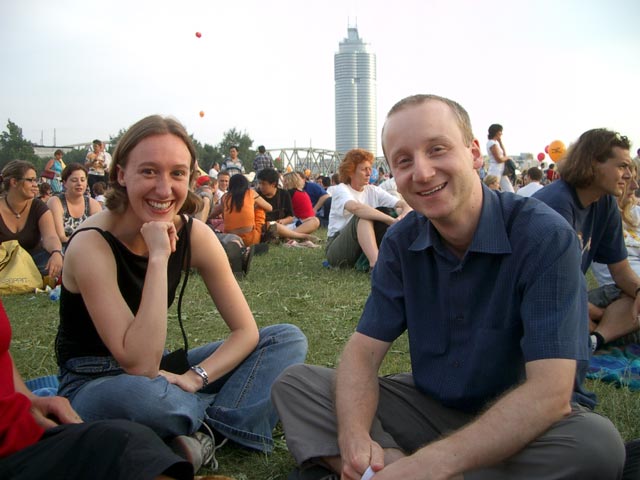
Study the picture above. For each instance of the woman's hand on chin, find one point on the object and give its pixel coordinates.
(160, 237)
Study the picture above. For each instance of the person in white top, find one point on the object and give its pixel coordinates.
(498, 157)
(390, 186)
(355, 224)
(213, 171)
(534, 177)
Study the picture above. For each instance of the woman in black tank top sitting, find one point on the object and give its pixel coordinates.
(72, 207)
(122, 269)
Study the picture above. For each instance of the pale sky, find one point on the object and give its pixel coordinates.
(545, 70)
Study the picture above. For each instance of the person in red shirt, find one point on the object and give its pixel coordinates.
(43, 437)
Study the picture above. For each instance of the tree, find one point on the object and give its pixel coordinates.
(75, 156)
(13, 146)
(206, 155)
(114, 139)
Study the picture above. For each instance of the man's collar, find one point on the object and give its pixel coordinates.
(489, 237)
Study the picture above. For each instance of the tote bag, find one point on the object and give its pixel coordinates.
(18, 271)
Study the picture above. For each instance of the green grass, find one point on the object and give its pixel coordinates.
(286, 285)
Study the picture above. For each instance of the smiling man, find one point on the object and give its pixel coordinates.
(595, 170)
(488, 286)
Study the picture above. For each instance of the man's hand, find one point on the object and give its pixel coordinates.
(50, 412)
(358, 454)
(415, 467)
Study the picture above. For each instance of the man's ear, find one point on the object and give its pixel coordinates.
(478, 160)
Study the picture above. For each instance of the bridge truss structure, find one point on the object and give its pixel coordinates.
(320, 161)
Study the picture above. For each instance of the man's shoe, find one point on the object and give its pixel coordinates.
(198, 449)
(632, 463)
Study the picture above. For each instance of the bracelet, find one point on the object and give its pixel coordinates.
(201, 372)
(637, 291)
(57, 251)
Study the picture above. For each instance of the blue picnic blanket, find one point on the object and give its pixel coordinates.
(43, 386)
(617, 365)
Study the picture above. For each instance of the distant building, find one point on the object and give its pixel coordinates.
(47, 152)
(355, 77)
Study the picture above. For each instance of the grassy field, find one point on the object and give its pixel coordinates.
(284, 286)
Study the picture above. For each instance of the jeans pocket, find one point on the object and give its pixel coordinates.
(93, 366)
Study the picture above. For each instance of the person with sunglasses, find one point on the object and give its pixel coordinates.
(26, 218)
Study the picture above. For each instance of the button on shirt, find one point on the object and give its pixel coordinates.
(516, 296)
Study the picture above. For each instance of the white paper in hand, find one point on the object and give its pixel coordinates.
(368, 474)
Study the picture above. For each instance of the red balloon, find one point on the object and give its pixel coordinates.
(541, 156)
(546, 149)
(198, 34)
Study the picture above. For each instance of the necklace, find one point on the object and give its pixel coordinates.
(17, 214)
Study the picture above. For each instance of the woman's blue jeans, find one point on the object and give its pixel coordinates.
(237, 405)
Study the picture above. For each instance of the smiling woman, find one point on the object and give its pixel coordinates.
(111, 340)
(27, 219)
(72, 207)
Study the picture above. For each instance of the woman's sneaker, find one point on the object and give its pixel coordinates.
(198, 449)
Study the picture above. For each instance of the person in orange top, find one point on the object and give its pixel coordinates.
(244, 210)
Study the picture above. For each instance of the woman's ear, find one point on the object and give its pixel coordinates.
(120, 176)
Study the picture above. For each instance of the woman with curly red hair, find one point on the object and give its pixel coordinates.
(356, 222)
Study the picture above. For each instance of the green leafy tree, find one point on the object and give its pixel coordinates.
(75, 156)
(209, 155)
(206, 155)
(114, 139)
(13, 146)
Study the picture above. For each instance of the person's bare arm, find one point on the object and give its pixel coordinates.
(48, 412)
(402, 208)
(356, 403)
(51, 243)
(362, 210)
(500, 432)
(209, 259)
(137, 340)
(320, 202)
(499, 156)
(55, 205)
(261, 202)
(628, 281)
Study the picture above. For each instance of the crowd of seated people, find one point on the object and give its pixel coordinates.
(286, 206)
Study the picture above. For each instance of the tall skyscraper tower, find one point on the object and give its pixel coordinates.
(355, 76)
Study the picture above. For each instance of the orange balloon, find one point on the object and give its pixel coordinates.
(557, 150)
(201, 114)
(307, 173)
(288, 168)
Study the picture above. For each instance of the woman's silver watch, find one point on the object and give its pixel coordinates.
(201, 372)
